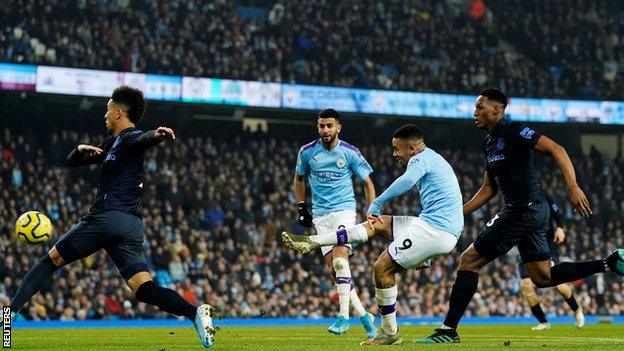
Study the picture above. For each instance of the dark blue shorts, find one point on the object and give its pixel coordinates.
(525, 227)
(554, 256)
(119, 233)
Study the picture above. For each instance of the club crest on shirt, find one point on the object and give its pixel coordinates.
(341, 162)
(527, 133)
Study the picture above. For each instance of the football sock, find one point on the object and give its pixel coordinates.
(571, 271)
(36, 277)
(464, 288)
(343, 284)
(355, 234)
(572, 303)
(386, 301)
(539, 313)
(355, 302)
(165, 299)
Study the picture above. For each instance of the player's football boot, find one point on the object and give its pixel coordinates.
(340, 326)
(541, 326)
(368, 322)
(615, 261)
(383, 339)
(13, 315)
(579, 318)
(300, 243)
(203, 325)
(440, 336)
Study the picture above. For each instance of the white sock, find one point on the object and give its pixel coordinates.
(355, 234)
(386, 301)
(343, 284)
(356, 304)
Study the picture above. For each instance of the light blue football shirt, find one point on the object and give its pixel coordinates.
(439, 191)
(330, 175)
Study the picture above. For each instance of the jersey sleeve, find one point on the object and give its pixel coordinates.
(137, 141)
(519, 133)
(360, 167)
(302, 168)
(416, 169)
(77, 158)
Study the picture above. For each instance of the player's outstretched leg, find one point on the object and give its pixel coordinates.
(36, 277)
(566, 292)
(615, 262)
(170, 301)
(356, 234)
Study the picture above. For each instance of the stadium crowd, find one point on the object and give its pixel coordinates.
(213, 208)
(557, 48)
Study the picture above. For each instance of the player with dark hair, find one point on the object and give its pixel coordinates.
(523, 221)
(113, 222)
(554, 237)
(329, 165)
(414, 239)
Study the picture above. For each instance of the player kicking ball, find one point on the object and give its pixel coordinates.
(113, 222)
(414, 239)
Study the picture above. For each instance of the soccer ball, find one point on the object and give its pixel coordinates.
(33, 227)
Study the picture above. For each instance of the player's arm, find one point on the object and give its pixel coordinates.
(142, 142)
(84, 154)
(299, 186)
(369, 190)
(577, 197)
(415, 170)
(487, 191)
(557, 218)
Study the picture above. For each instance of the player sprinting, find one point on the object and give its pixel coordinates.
(554, 237)
(414, 239)
(329, 164)
(524, 218)
(113, 222)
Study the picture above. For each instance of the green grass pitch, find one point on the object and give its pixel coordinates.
(474, 337)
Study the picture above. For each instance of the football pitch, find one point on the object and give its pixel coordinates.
(474, 337)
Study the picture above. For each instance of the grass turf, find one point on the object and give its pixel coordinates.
(474, 337)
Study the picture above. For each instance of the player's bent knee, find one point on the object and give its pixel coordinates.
(541, 281)
(340, 263)
(138, 279)
(56, 257)
(526, 285)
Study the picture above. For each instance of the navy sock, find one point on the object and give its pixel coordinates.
(572, 303)
(464, 288)
(571, 271)
(539, 313)
(36, 277)
(165, 299)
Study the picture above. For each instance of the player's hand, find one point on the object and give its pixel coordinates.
(305, 218)
(163, 133)
(372, 219)
(580, 202)
(89, 149)
(559, 236)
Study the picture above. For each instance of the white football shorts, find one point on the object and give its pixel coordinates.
(416, 241)
(332, 222)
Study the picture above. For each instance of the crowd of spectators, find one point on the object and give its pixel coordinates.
(213, 207)
(559, 48)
